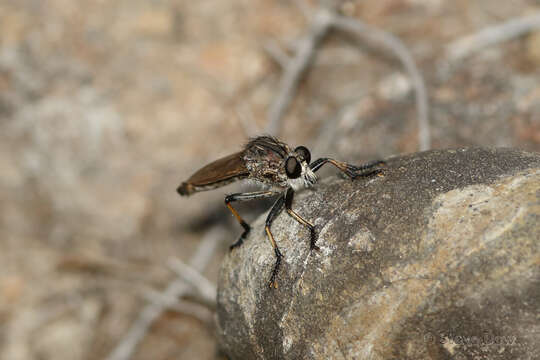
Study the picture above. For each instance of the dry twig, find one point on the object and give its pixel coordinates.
(175, 289)
(492, 35)
(279, 56)
(199, 311)
(296, 68)
(204, 287)
(395, 45)
(322, 21)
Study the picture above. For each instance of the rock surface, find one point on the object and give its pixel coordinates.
(438, 259)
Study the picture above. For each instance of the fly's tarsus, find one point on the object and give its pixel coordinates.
(312, 241)
(273, 282)
(368, 169)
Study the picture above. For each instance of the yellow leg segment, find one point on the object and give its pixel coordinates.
(273, 281)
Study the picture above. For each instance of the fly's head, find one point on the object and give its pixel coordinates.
(297, 169)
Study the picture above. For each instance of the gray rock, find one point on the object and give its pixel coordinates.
(437, 259)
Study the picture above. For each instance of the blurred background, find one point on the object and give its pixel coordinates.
(106, 106)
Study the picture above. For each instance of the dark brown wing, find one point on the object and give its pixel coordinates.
(218, 173)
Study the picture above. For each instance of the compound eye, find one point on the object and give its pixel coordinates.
(304, 153)
(293, 169)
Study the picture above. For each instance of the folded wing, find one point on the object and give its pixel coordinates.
(216, 174)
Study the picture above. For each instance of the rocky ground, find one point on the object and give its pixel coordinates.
(105, 106)
(435, 258)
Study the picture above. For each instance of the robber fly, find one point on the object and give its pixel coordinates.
(280, 170)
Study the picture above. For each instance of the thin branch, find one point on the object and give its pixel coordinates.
(296, 68)
(199, 311)
(125, 349)
(275, 52)
(203, 286)
(492, 35)
(378, 36)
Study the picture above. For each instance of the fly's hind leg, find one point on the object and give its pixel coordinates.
(244, 197)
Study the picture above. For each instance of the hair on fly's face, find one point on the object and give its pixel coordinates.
(297, 169)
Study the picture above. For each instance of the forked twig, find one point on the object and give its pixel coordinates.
(295, 68)
(323, 21)
(394, 44)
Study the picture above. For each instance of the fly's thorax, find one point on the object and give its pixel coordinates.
(266, 169)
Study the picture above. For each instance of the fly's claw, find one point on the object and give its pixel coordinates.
(273, 283)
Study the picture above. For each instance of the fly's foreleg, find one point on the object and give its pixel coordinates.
(289, 195)
(352, 171)
(276, 208)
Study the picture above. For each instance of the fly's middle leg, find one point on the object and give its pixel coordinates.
(244, 197)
